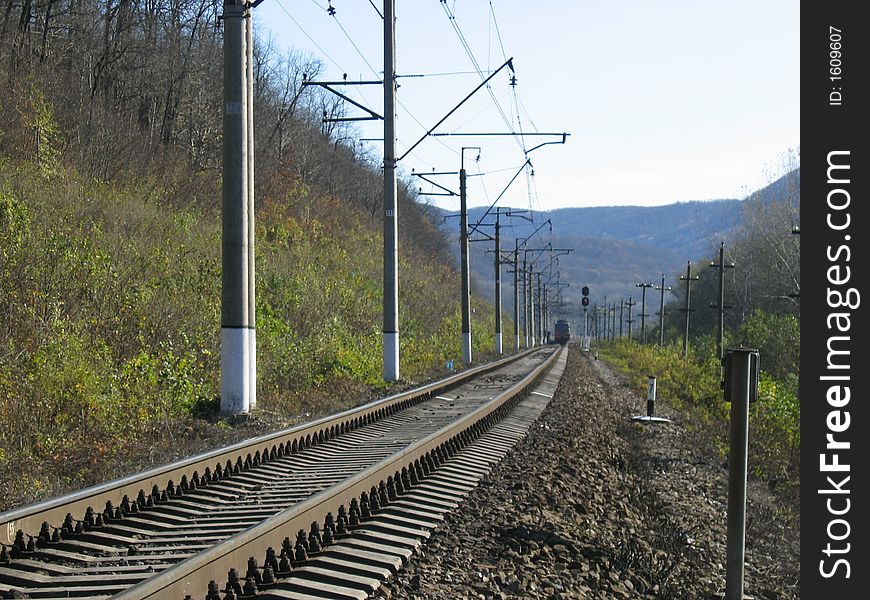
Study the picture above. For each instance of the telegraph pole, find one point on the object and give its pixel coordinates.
(391, 221)
(613, 322)
(621, 309)
(720, 330)
(688, 279)
(236, 351)
(662, 312)
(630, 304)
(643, 314)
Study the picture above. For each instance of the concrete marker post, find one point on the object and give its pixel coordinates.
(651, 404)
(651, 396)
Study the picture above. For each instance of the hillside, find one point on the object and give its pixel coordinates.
(110, 245)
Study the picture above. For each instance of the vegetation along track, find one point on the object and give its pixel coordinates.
(168, 532)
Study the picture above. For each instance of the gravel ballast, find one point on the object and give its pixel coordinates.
(594, 505)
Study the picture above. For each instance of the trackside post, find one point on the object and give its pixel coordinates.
(741, 385)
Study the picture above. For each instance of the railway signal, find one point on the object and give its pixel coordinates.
(584, 301)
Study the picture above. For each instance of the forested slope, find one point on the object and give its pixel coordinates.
(110, 238)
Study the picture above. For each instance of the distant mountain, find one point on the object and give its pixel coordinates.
(613, 247)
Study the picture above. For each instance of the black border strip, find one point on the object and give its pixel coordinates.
(832, 119)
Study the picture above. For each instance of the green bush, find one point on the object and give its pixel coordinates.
(693, 386)
(777, 338)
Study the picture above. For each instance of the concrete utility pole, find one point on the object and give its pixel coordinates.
(720, 330)
(542, 310)
(630, 304)
(662, 312)
(499, 349)
(643, 314)
(530, 304)
(391, 217)
(536, 307)
(523, 285)
(516, 294)
(236, 243)
(252, 296)
(463, 247)
(688, 279)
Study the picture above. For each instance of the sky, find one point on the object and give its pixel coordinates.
(663, 101)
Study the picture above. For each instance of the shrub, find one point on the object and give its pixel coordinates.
(693, 386)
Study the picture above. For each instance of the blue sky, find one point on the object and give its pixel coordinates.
(664, 101)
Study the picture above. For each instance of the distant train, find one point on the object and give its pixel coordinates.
(562, 331)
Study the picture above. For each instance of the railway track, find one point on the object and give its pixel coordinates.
(321, 510)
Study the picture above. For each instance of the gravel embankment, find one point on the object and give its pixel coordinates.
(593, 505)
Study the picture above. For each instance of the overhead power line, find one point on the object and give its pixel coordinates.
(452, 18)
(302, 29)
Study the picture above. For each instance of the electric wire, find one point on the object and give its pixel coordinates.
(374, 71)
(470, 119)
(528, 116)
(497, 30)
(463, 40)
(458, 30)
(305, 33)
(376, 74)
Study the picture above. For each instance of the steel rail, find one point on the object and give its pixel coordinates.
(191, 577)
(29, 519)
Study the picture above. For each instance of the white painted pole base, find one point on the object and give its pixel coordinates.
(498, 344)
(516, 342)
(252, 394)
(391, 356)
(236, 370)
(466, 347)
